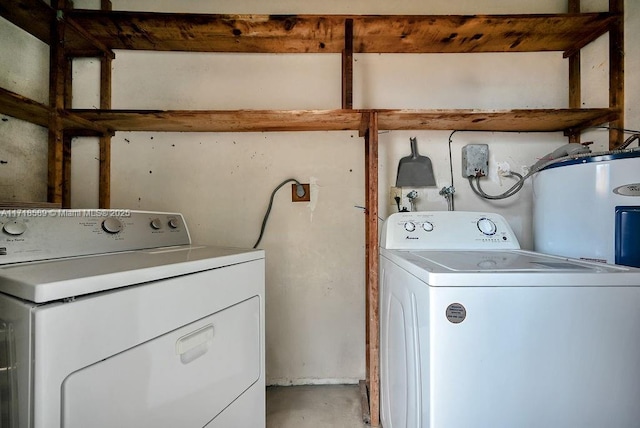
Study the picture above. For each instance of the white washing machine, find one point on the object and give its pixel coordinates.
(113, 319)
(477, 333)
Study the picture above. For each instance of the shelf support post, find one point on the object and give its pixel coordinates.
(372, 265)
(616, 73)
(58, 65)
(575, 82)
(347, 65)
(104, 181)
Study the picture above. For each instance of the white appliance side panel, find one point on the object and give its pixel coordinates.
(183, 378)
(74, 335)
(404, 343)
(535, 357)
(15, 363)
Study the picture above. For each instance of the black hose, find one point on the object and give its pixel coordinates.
(273, 194)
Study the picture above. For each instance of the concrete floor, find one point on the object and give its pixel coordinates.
(317, 406)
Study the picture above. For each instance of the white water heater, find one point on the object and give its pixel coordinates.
(589, 208)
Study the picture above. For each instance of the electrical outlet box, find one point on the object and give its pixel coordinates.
(475, 160)
(305, 198)
(393, 193)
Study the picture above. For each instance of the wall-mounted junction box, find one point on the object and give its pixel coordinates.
(475, 160)
(294, 195)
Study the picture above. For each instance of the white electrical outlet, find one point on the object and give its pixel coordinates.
(393, 192)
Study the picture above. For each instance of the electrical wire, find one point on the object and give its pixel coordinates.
(512, 191)
(273, 194)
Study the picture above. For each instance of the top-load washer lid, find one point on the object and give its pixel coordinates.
(48, 255)
(514, 268)
(471, 249)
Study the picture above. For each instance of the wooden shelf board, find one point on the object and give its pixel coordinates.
(224, 120)
(529, 120)
(545, 120)
(325, 33)
(23, 108)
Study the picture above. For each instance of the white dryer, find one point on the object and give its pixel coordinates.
(114, 319)
(477, 333)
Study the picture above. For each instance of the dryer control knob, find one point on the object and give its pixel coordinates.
(174, 223)
(15, 227)
(487, 226)
(111, 225)
(409, 226)
(156, 224)
(428, 227)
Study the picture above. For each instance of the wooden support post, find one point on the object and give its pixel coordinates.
(347, 65)
(66, 171)
(616, 73)
(575, 83)
(58, 66)
(104, 182)
(372, 264)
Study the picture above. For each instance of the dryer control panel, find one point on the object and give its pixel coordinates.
(447, 230)
(41, 234)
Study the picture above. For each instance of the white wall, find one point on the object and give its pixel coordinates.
(315, 251)
(24, 69)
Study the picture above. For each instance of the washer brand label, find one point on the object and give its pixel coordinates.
(411, 237)
(456, 313)
(628, 190)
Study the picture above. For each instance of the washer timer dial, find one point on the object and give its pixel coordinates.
(486, 226)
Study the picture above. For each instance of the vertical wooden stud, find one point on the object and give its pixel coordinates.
(66, 171)
(104, 183)
(57, 76)
(372, 274)
(575, 83)
(104, 180)
(347, 65)
(616, 73)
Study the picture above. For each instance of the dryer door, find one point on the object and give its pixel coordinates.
(183, 378)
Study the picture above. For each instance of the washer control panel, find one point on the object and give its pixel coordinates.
(447, 230)
(40, 234)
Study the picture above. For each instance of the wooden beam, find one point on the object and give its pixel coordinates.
(347, 65)
(326, 34)
(23, 108)
(575, 85)
(616, 73)
(372, 276)
(224, 120)
(66, 171)
(57, 82)
(15, 105)
(35, 17)
(529, 120)
(104, 182)
(538, 120)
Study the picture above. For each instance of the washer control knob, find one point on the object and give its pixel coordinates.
(156, 224)
(15, 227)
(487, 226)
(428, 227)
(174, 223)
(111, 225)
(409, 226)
